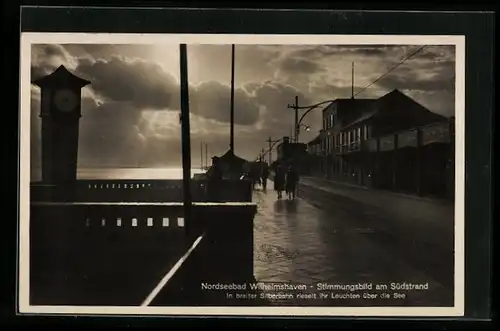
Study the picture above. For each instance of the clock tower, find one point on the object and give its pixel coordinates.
(60, 113)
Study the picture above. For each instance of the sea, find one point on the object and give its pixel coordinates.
(125, 173)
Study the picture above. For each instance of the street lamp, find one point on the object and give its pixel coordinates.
(298, 122)
(306, 127)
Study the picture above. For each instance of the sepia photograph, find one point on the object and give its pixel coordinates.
(242, 174)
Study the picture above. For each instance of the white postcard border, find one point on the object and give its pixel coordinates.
(27, 39)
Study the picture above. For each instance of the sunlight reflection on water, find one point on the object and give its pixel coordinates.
(128, 173)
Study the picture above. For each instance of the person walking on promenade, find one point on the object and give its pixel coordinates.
(264, 175)
(292, 178)
(255, 175)
(279, 181)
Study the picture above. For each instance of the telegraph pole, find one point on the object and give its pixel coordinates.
(206, 155)
(352, 82)
(186, 145)
(296, 121)
(232, 99)
(269, 141)
(201, 156)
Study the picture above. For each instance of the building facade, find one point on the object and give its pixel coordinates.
(314, 153)
(391, 143)
(292, 153)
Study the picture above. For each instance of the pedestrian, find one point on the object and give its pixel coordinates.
(279, 181)
(253, 175)
(264, 175)
(291, 182)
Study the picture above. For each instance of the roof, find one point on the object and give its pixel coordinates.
(350, 101)
(366, 116)
(230, 157)
(61, 77)
(386, 104)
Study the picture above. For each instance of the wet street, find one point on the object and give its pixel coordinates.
(327, 248)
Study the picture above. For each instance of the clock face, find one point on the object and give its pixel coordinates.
(65, 100)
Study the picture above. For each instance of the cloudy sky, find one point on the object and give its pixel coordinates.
(130, 111)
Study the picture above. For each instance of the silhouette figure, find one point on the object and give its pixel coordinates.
(279, 181)
(292, 178)
(264, 175)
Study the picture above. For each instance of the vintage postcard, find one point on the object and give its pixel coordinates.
(199, 174)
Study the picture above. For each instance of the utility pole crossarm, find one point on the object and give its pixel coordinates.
(298, 121)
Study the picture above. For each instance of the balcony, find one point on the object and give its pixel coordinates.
(352, 147)
(440, 132)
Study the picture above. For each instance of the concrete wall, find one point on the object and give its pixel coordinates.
(223, 256)
(116, 253)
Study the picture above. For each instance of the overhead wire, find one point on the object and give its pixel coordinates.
(388, 71)
(392, 69)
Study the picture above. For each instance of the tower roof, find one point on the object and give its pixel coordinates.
(61, 77)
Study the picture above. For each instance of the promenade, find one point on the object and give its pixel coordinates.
(300, 243)
(435, 217)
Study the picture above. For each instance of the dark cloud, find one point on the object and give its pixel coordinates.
(404, 82)
(213, 100)
(144, 84)
(106, 51)
(49, 52)
(115, 131)
(431, 77)
(109, 134)
(46, 58)
(252, 62)
(438, 53)
(299, 66)
(337, 91)
(321, 51)
(275, 97)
